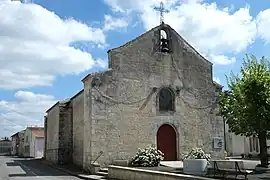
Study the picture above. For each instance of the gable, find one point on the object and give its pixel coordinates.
(153, 33)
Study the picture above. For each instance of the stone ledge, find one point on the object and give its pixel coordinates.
(126, 173)
(120, 162)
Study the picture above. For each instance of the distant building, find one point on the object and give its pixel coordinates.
(34, 142)
(5, 146)
(17, 143)
(237, 145)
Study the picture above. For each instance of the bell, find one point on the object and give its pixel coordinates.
(164, 46)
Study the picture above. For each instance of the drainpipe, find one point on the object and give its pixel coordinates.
(224, 126)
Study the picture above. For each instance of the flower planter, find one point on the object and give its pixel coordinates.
(195, 166)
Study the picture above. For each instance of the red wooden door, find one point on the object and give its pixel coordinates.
(166, 142)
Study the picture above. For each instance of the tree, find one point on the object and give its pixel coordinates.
(246, 105)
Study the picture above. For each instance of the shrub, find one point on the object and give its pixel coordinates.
(197, 153)
(148, 157)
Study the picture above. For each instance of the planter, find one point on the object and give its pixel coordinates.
(195, 166)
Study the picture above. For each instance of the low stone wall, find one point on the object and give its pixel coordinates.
(127, 173)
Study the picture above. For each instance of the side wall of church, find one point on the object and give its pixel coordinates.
(65, 150)
(78, 127)
(87, 128)
(125, 114)
(52, 132)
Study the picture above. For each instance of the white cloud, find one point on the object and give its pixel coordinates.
(222, 60)
(102, 63)
(27, 110)
(263, 24)
(35, 45)
(112, 23)
(207, 27)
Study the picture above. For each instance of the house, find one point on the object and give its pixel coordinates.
(17, 143)
(237, 145)
(21, 143)
(157, 90)
(5, 146)
(34, 142)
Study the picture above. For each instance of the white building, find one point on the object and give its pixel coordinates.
(34, 142)
(237, 145)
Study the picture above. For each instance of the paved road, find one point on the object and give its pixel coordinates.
(27, 169)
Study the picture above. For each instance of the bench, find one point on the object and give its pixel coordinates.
(229, 167)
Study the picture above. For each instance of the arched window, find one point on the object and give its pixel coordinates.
(166, 100)
(164, 42)
(163, 34)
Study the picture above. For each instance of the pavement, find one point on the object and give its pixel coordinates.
(29, 169)
(249, 164)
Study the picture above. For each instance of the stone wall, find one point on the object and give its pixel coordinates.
(123, 173)
(65, 150)
(52, 133)
(78, 126)
(123, 106)
(21, 143)
(27, 142)
(87, 130)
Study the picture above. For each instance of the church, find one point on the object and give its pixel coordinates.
(157, 90)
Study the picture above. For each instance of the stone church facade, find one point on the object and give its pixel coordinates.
(157, 90)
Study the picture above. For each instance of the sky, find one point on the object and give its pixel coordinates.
(47, 47)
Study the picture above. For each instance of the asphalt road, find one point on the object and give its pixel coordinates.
(27, 169)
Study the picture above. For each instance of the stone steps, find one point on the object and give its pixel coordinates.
(103, 170)
(102, 174)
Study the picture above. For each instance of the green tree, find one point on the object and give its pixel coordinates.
(246, 105)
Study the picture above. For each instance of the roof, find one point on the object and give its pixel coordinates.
(59, 102)
(16, 134)
(218, 85)
(37, 131)
(52, 106)
(5, 140)
(96, 73)
(185, 42)
(77, 94)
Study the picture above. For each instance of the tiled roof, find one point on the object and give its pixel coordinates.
(37, 131)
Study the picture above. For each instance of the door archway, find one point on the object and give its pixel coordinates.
(166, 142)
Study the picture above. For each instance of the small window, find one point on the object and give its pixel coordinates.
(166, 100)
(164, 42)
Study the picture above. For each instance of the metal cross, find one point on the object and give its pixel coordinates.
(162, 10)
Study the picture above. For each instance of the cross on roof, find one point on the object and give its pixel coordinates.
(162, 10)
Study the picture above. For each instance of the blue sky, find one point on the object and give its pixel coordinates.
(47, 47)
